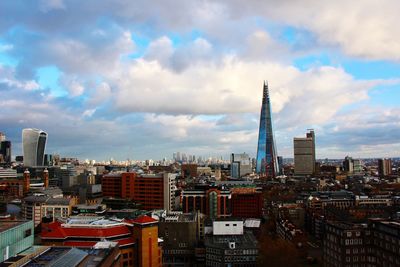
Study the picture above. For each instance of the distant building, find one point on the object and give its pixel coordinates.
(230, 245)
(304, 154)
(5, 151)
(189, 170)
(240, 165)
(266, 163)
(348, 165)
(15, 237)
(384, 167)
(33, 146)
(358, 166)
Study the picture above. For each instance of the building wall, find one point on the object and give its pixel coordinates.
(247, 205)
(16, 240)
(304, 156)
(152, 191)
(111, 185)
(148, 253)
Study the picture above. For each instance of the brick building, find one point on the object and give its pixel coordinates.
(152, 191)
(246, 203)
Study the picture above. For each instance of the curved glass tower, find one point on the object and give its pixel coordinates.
(33, 146)
(267, 163)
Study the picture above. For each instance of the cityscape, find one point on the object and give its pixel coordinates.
(199, 133)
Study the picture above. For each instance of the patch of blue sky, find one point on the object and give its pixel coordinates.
(385, 95)
(362, 69)
(209, 117)
(309, 61)
(6, 60)
(48, 78)
(141, 44)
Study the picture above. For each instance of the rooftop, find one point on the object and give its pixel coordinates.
(245, 241)
(6, 225)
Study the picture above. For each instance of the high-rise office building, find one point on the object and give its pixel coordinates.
(33, 146)
(5, 151)
(348, 165)
(240, 165)
(304, 154)
(384, 167)
(267, 163)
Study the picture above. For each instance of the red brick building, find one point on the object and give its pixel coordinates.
(153, 191)
(246, 203)
(213, 202)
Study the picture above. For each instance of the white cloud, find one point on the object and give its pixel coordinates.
(235, 86)
(365, 29)
(48, 5)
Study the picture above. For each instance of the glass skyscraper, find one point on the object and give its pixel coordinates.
(33, 146)
(267, 164)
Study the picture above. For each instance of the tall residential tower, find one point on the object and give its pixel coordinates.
(33, 146)
(267, 163)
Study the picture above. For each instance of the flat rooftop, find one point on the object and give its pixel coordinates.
(6, 225)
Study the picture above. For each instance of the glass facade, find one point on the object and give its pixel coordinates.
(266, 152)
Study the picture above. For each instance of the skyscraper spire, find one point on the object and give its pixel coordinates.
(267, 164)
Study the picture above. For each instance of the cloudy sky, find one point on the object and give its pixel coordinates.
(142, 79)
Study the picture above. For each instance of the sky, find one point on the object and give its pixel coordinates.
(143, 79)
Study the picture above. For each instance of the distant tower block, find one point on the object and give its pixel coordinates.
(27, 181)
(46, 178)
(267, 163)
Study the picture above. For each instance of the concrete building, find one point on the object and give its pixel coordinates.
(346, 244)
(304, 154)
(182, 235)
(5, 152)
(385, 243)
(36, 207)
(384, 167)
(33, 146)
(15, 237)
(240, 165)
(348, 165)
(230, 245)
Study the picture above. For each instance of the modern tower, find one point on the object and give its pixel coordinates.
(267, 164)
(304, 154)
(33, 146)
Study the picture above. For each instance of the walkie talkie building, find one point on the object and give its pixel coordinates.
(267, 163)
(33, 146)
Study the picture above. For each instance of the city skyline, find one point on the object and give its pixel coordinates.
(143, 81)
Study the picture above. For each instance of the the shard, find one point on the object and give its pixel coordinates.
(267, 163)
